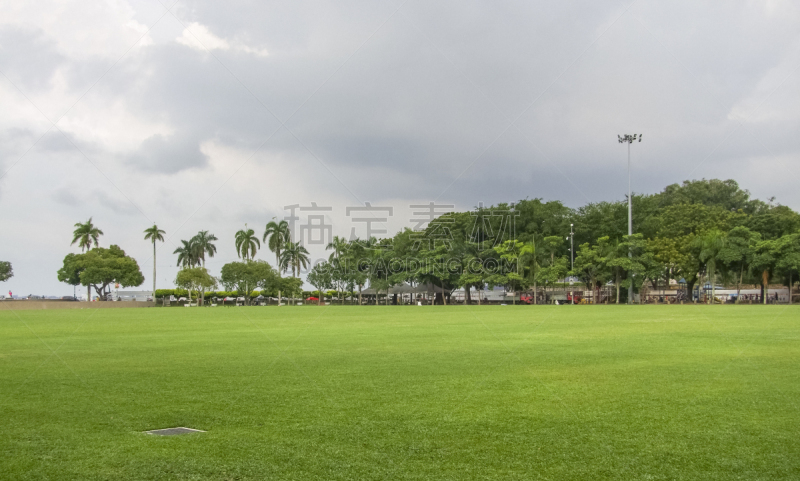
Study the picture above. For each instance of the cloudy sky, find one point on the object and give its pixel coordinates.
(209, 115)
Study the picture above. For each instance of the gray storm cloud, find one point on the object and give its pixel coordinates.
(211, 115)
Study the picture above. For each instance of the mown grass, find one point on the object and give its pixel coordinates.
(432, 392)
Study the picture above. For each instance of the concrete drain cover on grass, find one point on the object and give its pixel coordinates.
(173, 431)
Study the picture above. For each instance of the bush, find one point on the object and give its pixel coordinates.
(161, 293)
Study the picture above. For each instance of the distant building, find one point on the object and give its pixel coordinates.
(132, 295)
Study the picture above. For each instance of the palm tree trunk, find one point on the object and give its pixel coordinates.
(739, 284)
(154, 269)
(701, 284)
(765, 280)
(616, 281)
(790, 287)
(713, 287)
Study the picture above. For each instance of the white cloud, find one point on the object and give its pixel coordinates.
(81, 29)
(199, 37)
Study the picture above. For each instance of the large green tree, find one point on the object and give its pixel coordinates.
(765, 260)
(737, 254)
(788, 265)
(244, 277)
(100, 268)
(320, 277)
(339, 246)
(6, 271)
(510, 272)
(196, 279)
(590, 268)
(710, 247)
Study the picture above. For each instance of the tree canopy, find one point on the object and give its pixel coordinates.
(99, 268)
(196, 279)
(6, 271)
(245, 277)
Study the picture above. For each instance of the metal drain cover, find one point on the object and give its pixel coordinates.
(173, 431)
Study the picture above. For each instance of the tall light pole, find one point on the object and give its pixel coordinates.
(629, 139)
(571, 261)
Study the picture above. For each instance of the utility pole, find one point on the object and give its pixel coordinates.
(571, 261)
(629, 139)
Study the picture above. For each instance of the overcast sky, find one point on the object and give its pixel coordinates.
(208, 115)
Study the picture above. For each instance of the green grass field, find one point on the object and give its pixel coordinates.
(433, 392)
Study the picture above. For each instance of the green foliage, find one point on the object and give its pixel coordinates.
(775, 222)
(294, 257)
(244, 277)
(154, 234)
(203, 245)
(195, 279)
(188, 253)
(700, 226)
(99, 268)
(710, 250)
(291, 286)
(724, 194)
(6, 271)
(589, 265)
(320, 277)
(247, 243)
(85, 234)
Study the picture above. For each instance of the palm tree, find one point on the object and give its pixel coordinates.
(276, 236)
(155, 234)
(188, 254)
(203, 242)
(247, 243)
(86, 233)
(339, 246)
(295, 257)
(711, 245)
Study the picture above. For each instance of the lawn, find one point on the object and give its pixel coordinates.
(375, 392)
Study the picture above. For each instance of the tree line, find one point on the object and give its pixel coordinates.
(703, 231)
